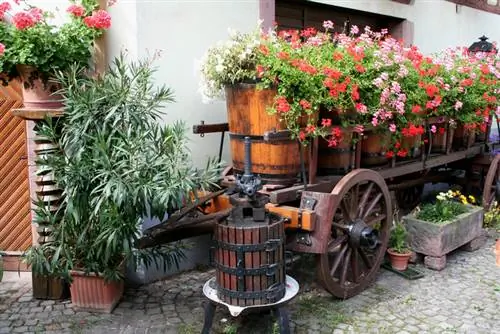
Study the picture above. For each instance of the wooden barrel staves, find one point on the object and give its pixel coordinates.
(336, 160)
(249, 261)
(276, 162)
(373, 148)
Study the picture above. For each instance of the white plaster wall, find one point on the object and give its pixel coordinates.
(437, 23)
(184, 30)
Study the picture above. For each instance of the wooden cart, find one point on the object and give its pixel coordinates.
(344, 219)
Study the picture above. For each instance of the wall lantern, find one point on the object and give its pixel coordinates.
(482, 46)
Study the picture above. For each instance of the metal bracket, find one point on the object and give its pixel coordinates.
(304, 238)
(308, 203)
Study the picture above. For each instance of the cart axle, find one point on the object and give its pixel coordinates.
(363, 235)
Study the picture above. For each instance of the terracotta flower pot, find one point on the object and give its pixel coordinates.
(36, 93)
(91, 292)
(399, 261)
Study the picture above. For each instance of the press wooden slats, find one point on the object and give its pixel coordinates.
(260, 269)
(15, 206)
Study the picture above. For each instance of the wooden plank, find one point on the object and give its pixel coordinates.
(232, 261)
(256, 262)
(240, 239)
(264, 236)
(307, 219)
(37, 114)
(100, 52)
(430, 163)
(210, 128)
(290, 194)
(15, 204)
(248, 264)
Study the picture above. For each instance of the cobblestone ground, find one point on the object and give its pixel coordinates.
(463, 298)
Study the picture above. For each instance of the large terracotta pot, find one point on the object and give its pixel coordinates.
(276, 162)
(374, 148)
(36, 93)
(91, 292)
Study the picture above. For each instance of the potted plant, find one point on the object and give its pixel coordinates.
(435, 229)
(399, 252)
(33, 48)
(117, 164)
(49, 271)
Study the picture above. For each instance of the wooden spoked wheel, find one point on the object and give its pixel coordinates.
(491, 183)
(361, 220)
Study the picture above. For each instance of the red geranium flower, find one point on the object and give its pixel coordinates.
(99, 20)
(76, 10)
(23, 20)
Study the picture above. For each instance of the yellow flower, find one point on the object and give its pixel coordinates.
(463, 199)
(472, 199)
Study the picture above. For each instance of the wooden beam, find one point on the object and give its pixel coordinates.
(100, 60)
(479, 4)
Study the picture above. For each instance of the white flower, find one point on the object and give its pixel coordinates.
(219, 68)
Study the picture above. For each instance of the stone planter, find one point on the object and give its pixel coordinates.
(435, 241)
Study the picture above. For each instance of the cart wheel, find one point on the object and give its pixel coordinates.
(410, 197)
(491, 184)
(362, 216)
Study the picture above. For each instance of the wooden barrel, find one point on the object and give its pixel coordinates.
(462, 138)
(336, 160)
(439, 141)
(374, 149)
(413, 146)
(249, 261)
(276, 162)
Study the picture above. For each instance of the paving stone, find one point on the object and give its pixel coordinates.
(459, 299)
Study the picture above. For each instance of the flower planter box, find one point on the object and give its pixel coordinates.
(91, 293)
(435, 241)
(49, 287)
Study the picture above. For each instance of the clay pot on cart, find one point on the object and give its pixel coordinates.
(277, 161)
(37, 93)
(374, 148)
